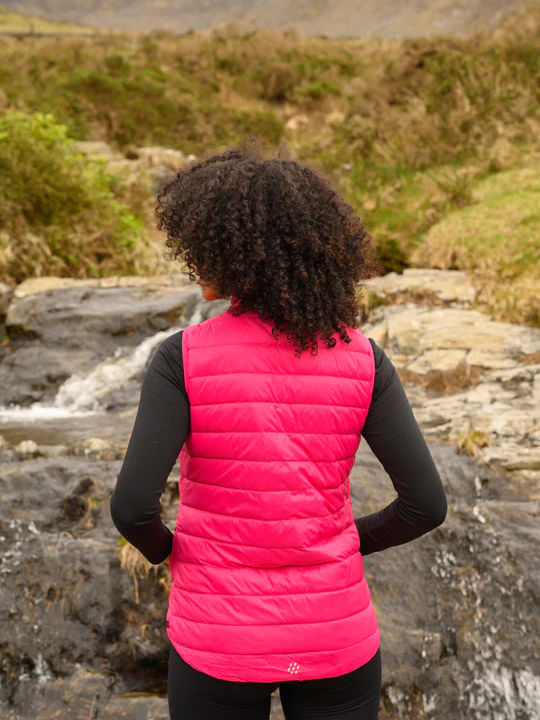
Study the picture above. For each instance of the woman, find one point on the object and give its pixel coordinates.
(268, 587)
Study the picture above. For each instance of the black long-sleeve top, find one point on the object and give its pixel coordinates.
(162, 424)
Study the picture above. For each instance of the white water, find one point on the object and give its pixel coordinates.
(80, 395)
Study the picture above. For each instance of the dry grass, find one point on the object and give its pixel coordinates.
(138, 567)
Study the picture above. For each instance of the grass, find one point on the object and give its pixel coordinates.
(409, 130)
(496, 240)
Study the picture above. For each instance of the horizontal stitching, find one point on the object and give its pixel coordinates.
(243, 566)
(287, 490)
(293, 622)
(283, 374)
(241, 342)
(266, 547)
(304, 652)
(270, 460)
(270, 432)
(309, 592)
(251, 517)
(278, 402)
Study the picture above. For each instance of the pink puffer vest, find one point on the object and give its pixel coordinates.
(267, 578)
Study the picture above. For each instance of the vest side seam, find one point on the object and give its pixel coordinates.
(185, 360)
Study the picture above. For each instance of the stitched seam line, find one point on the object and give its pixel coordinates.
(292, 622)
(270, 460)
(265, 547)
(284, 374)
(280, 402)
(279, 654)
(269, 432)
(242, 566)
(251, 517)
(257, 489)
(286, 348)
(258, 595)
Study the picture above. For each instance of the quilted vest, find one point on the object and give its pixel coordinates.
(267, 579)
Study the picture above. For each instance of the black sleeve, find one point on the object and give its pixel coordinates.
(160, 429)
(395, 438)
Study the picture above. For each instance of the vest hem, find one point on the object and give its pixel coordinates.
(274, 667)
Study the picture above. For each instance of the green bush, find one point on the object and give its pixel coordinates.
(58, 212)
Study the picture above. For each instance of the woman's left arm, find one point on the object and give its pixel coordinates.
(160, 429)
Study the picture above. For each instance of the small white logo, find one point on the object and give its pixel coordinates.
(293, 668)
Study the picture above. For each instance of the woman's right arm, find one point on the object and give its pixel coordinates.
(392, 433)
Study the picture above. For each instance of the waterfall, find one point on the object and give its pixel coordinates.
(80, 394)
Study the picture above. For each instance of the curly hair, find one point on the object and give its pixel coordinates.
(275, 235)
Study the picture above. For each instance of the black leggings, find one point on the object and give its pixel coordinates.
(193, 695)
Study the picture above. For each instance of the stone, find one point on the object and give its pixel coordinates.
(59, 328)
(420, 329)
(444, 360)
(135, 708)
(6, 292)
(27, 448)
(451, 286)
(96, 149)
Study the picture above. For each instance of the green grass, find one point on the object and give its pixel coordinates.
(497, 240)
(408, 129)
(60, 213)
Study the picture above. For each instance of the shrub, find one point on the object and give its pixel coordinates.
(58, 212)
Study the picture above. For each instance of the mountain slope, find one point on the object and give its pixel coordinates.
(334, 18)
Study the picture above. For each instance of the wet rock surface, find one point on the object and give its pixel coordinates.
(56, 329)
(82, 621)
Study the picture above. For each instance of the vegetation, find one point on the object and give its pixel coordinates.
(419, 134)
(59, 212)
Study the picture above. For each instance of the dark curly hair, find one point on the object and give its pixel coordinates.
(275, 235)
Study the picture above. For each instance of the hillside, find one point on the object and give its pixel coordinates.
(411, 130)
(16, 22)
(336, 18)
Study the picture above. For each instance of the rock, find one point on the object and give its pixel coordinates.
(449, 286)
(444, 360)
(6, 291)
(458, 627)
(136, 708)
(96, 149)
(60, 328)
(157, 156)
(50, 698)
(97, 449)
(27, 449)
(489, 343)
(296, 122)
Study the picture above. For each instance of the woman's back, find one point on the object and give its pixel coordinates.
(268, 581)
(265, 528)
